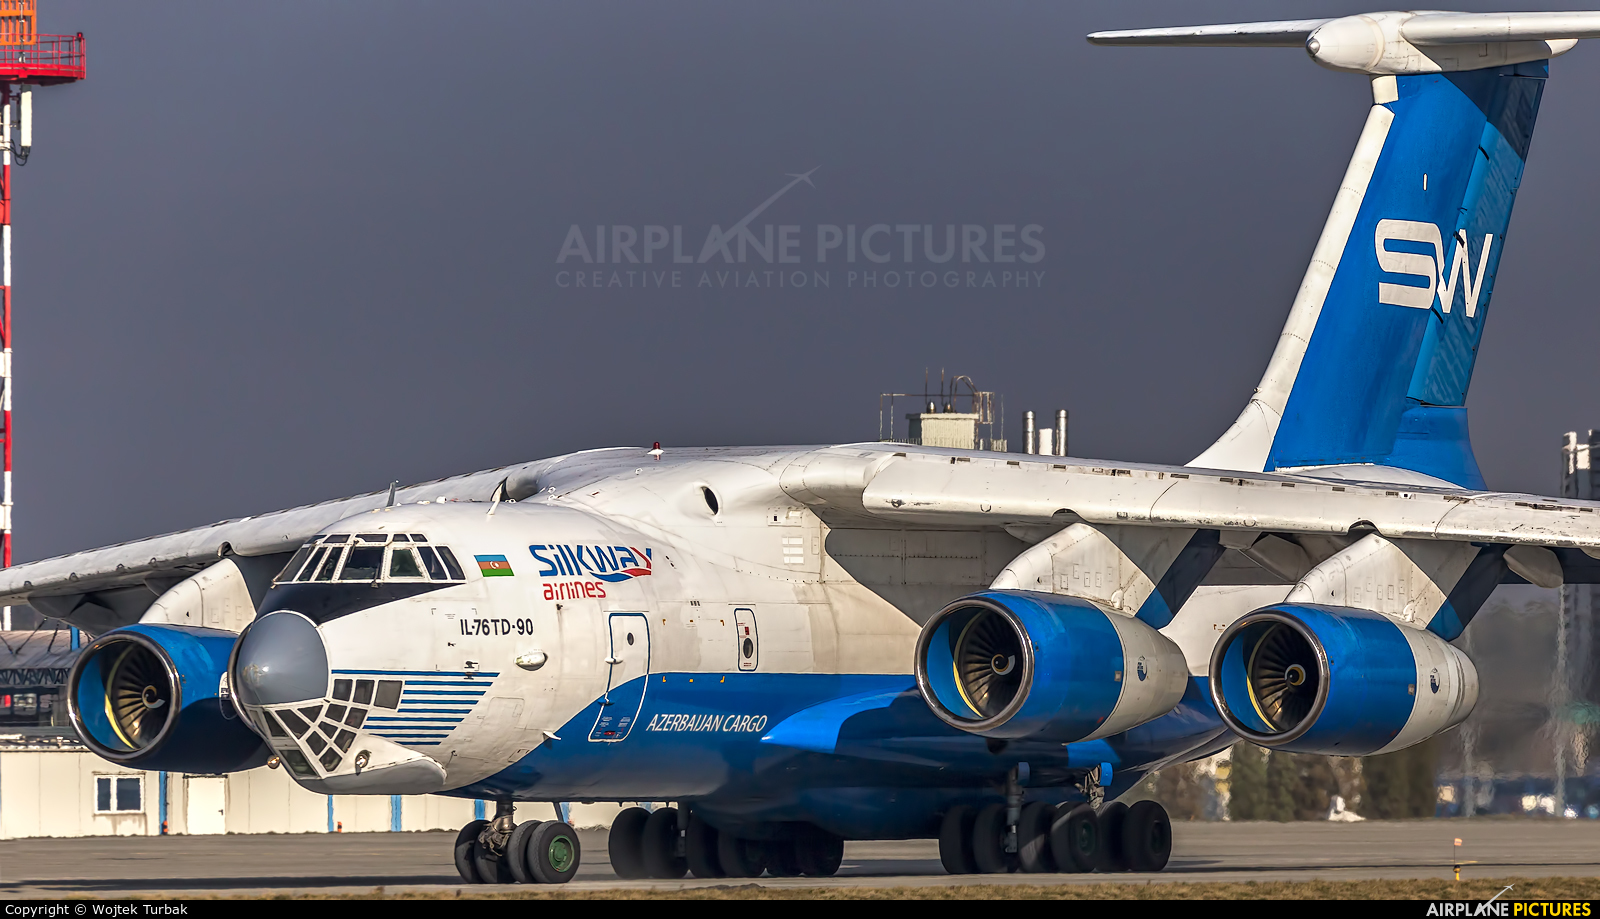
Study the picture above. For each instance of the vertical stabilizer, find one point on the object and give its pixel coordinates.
(1375, 360)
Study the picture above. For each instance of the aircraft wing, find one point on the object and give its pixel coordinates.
(961, 488)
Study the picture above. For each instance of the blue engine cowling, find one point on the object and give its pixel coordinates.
(1340, 681)
(151, 696)
(1017, 664)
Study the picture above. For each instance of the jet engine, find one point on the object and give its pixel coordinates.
(1016, 664)
(1335, 680)
(155, 696)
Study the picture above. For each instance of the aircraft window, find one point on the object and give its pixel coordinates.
(365, 564)
(344, 740)
(356, 716)
(269, 725)
(296, 563)
(293, 723)
(330, 759)
(341, 689)
(316, 743)
(363, 692)
(329, 565)
(311, 712)
(373, 537)
(297, 763)
(388, 694)
(401, 537)
(336, 713)
(331, 540)
(451, 565)
(418, 537)
(403, 563)
(435, 567)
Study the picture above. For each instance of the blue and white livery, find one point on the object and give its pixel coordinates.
(796, 646)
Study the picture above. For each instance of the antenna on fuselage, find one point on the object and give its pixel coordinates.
(499, 495)
(393, 487)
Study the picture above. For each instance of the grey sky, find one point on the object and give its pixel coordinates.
(270, 254)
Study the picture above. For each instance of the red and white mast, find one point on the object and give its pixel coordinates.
(27, 59)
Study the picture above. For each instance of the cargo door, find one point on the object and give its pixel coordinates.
(629, 663)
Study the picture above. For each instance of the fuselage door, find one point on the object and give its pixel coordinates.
(749, 643)
(629, 663)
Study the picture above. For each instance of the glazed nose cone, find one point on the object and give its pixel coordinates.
(281, 659)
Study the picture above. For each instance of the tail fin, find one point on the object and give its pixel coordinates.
(1374, 362)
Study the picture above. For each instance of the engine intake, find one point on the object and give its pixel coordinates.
(151, 696)
(1326, 679)
(1018, 664)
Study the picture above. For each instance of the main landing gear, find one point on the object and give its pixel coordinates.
(502, 851)
(668, 843)
(1050, 839)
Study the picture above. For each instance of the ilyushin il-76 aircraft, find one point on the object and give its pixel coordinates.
(797, 646)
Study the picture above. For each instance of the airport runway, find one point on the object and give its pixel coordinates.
(187, 866)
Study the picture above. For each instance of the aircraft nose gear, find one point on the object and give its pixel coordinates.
(502, 851)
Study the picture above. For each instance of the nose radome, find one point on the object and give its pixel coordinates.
(281, 659)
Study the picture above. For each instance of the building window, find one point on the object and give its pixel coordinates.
(118, 794)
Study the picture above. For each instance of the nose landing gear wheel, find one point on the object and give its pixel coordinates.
(466, 842)
(625, 843)
(517, 852)
(492, 868)
(1033, 838)
(989, 841)
(659, 846)
(700, 849)
(1112, 818)
(1147, 837)
(554, 853)
(955, 840)
(1075, 839)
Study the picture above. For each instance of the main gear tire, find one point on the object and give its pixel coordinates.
(700, 849)
(493, 868)
(1147, 837)
(989, 841)
(625, 843)
(1112, 818)
(955, 840)
(819, 854)
(741, 858)
(1033, 838)
(659, 846)
(1075, 838)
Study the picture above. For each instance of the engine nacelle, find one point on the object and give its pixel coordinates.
(152, 696)
(1335, 680)
(1017, 664)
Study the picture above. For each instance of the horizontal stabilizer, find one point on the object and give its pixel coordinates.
(1453, 28)
(1285, 33)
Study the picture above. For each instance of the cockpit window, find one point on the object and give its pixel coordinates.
(364, 564)
(451, 565)
(328, 563)
(403, 563)
(435, 567)
(296, 563)
(408, 557)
